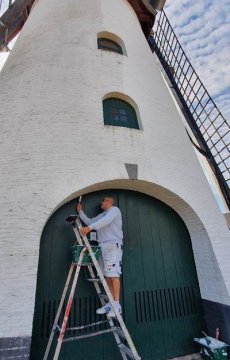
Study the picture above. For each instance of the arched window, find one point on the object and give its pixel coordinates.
(109, 45)
(119, 113)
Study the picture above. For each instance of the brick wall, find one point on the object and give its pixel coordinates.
(14, 348)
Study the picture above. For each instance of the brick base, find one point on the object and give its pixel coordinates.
(14, 348)
(217, 316)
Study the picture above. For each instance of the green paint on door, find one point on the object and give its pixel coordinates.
(160, 292)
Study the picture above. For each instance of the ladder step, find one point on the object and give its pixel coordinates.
(103, 296)
(71, 218)
(119, 331)
(127, 351)
(94, 280)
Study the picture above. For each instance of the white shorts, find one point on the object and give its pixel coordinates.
(110, 259)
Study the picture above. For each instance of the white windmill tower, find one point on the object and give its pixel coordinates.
(85, 110)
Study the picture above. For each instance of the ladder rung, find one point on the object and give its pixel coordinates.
(88, 335)
(87, 325)
(127, 351)
(94, 279)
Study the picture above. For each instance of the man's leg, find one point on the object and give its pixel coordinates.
(115, 285)
(111, 267)
(110, 285)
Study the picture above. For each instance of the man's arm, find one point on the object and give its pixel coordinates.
(84, 217)
(105, 220)
(88, 220)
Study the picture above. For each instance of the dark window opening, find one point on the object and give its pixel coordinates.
(109, 45)
(119, 113)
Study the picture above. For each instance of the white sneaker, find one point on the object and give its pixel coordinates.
(104, 309)
(111, 313)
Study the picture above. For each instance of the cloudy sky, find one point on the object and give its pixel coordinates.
(203, 28)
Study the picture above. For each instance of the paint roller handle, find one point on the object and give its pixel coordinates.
(78, 206)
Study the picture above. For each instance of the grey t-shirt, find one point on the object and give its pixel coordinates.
(108, 225)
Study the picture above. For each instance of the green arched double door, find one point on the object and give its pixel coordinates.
(160, 292)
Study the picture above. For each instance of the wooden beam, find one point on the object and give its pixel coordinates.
(145, 16)
(13, 20)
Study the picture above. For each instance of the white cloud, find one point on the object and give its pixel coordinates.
(203, 30)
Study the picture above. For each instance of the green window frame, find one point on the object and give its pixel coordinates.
(109, 45)
(119, 113)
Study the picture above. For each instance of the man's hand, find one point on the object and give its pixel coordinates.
(78, 207)
(84, 230)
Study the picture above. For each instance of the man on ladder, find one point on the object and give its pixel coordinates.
(108, 225)
(110, 222)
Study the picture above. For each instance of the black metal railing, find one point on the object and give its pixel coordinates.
(209, 126)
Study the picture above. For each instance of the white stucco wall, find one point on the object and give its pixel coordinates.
(54, 144)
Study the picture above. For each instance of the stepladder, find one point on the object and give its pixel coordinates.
(85, 255)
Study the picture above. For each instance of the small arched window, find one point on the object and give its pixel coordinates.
(119, 113)
(109, 45)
